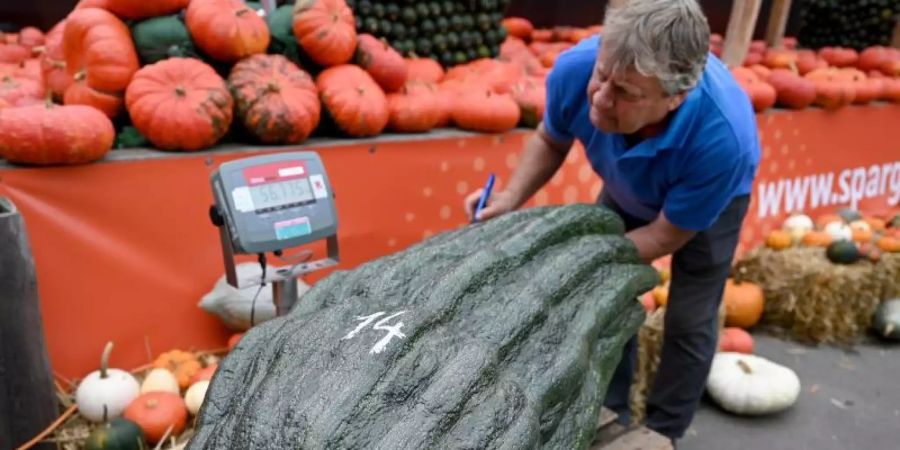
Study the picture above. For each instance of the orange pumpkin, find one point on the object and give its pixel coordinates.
(483, 110)
(424, 69)
(792, 91)
(53, 62)
(831, 92)
(779, 240)
(20, 91)
(142, 9)
(890, 244)
(100, 57)
(873, 58)
(817, 239)
(518, 27)
(531, 96)
(839, 56)
(14, 53)
(891, 90)
(875, 223)
(447, 94)
(414, 109)
(779, 59)
(205, 373)
(226, 30)
(353, 100)
(180, 104)
(48, 134)
(744, 303)
(648, 303)
(660, 294)
(386, 66)
(761, 94)
(808, 62)
(865, 91)
(733, 339)
(155, 412)
(31, 37)
(325, 30)
(181, 363)
(277, 101)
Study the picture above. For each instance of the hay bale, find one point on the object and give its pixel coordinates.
(813, 300)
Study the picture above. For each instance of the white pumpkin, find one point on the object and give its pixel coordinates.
(104, 394)
(194, 396)
(839, 231)
(160, 380)
(233, 306)
(751, 385)
(797, 225)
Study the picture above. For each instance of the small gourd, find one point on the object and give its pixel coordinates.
(779, 240)
(839, 231)
(751, 385)
(843, 252)
(156, 412)
(118, 434)
(798, 225)
(886, 320)
(205, 373)
(105, 393)
(182, 364)
(194, 396)
(734, 339)
(861, 230)
(160, 380)
(660, 294)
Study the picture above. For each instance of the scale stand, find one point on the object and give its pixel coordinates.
(283, 279)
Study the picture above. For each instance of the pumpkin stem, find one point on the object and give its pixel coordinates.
(152, 403)
(104, 359)
(361, 90)
(744, 366)
(105, 414)
(180, 91)
(80, 75)
(273, 87)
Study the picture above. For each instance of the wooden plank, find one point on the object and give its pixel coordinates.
(778, 19)
(740, 31)
(27, 397)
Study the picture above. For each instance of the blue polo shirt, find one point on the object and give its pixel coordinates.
(706, 156)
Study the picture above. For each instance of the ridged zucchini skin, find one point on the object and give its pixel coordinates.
(512, 330)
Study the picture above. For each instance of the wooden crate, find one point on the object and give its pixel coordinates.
(612, 436)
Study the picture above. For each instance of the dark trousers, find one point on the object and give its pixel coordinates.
(699, 272)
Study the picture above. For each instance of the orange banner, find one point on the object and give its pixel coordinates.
(124, 249)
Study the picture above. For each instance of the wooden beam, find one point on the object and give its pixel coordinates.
(778, 18)
(740, 31)
(895, 41)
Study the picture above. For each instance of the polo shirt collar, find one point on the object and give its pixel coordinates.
(675, 134)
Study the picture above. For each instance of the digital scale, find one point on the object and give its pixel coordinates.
(272, 203)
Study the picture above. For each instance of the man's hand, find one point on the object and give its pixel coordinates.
(497, 204)
(659, 238)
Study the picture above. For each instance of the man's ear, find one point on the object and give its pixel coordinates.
(676, 100)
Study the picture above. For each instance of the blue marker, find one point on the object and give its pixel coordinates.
(484, 197)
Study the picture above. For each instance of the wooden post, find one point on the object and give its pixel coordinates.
(740, 31)
(895, 41)
(27, 398)
(778, 18)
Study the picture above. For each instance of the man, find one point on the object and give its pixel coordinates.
(674, 139)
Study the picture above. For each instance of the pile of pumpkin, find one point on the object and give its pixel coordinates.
(830, 78)
(183, 84)
(847, 236)
(152, 404)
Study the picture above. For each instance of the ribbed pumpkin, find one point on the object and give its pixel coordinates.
(325, 30)
(49, 134)
(227, 30)
(31, 37)
(761, 94)
(518, 27)
(483, 110)
(20, 91)
(142, 9)
(353, 100)
(180, 104)
(865, 92)
(424, 69)
(386, 66)
(415, 109)
(100, 57)
(531, 96)
(831, 93)
(53, 62)
(277, 101)
(792, 91)
(13, 53)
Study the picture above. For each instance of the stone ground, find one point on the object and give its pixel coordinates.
(850, 400)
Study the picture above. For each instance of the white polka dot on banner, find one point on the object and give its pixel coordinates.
(427, 191)
(570, 194)
(445, 166)
(512, 160)
(478, 164)
(410, 217)
(445, 212)
(585, 173)
(541, 198)
(462, 188)
(392, 242)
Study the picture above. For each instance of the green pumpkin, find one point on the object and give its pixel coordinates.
(886, 320)
(502, 334)
(158, 38)
(843, 252)
(117, 434)
(281, 25)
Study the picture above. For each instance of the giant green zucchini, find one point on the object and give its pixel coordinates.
(503, 334)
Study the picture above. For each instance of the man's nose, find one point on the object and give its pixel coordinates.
(602, 98)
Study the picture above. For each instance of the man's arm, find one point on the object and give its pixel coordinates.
(659, 238)
(541, 158)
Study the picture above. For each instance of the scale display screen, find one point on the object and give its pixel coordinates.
(295, 191)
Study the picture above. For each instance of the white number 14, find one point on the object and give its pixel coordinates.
(392, 330)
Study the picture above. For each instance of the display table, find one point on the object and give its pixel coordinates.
(124, 248)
